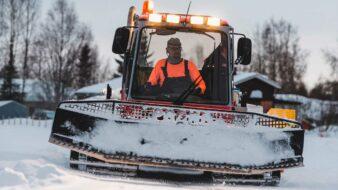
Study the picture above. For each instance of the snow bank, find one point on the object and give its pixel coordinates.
(10, 177)
(27, 160)
(29, 173)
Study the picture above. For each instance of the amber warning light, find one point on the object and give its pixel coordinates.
(148, 7)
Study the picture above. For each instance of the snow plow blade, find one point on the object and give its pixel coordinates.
(178, 137)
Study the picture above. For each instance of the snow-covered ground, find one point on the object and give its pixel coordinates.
(28, 161)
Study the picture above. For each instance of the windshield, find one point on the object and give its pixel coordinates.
(173, 62)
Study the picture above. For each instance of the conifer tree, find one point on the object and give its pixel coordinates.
(9, 90)
(84, 66)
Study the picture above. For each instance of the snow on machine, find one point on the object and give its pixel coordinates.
(180, 119)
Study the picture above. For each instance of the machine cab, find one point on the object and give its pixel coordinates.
(204, 73)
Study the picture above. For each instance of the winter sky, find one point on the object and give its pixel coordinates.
(316, 21)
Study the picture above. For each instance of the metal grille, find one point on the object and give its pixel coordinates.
(141, 113)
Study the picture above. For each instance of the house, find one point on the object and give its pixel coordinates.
(312, 110)
(291, 101)
(256, 88)
(12, 109)
(34, 95)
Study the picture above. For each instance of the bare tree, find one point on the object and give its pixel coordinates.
(60, 42)
(106, 71)
(31, 8)
(2, 16)
(277, 54)
(259, 57)
(57, 41)
(3, 29)
(327, 89)
(39, 58)
(329, 114)
(331, 58)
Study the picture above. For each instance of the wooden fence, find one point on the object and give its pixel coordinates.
(25, 122)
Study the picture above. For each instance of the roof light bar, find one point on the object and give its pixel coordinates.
(212, 21)
(155, 18)
(173, 19)
(196, 20)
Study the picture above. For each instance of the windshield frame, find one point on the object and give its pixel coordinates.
(223, 31)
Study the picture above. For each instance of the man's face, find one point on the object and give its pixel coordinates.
(174, 51)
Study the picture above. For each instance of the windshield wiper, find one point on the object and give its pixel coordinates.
(188, 91)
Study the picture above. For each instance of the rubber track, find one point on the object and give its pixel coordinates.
(124, 158)
(105, 169)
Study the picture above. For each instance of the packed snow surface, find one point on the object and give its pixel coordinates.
(28, 161)
(199, 143)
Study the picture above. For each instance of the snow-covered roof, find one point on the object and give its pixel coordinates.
(291, 98)
(246, 76)
(2, 103)
(115, 83)
(309, 107)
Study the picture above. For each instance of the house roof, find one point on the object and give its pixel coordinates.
(12, 109)
(115, 84)
(310, 108)
(246, 76)
(291, 98)
(2, 103)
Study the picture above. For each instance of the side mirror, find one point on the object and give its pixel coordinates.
(244, 51)
(121, 40)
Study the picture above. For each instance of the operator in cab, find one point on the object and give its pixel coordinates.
(174, 74)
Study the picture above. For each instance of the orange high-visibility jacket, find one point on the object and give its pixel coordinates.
(157, 77)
